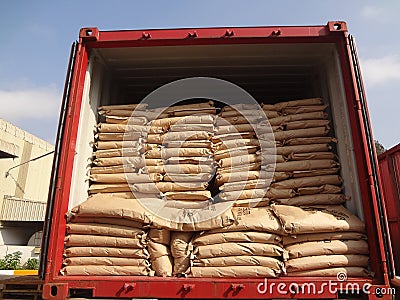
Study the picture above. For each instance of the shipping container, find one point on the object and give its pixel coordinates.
(271, 63)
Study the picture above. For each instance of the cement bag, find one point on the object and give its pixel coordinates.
(113, 169)
(161, 260)
(119, 136)
(154, 138)
(186, 152)
(188, 144)
(257, 193)
(308, 182)
(106, 261)
(325, 261)
(327, 248)
(239, 143)
(125, 120)
(239, 160)
(102, 241)
(185, 113)
(322, 189)
(255, 219)
(161, 236)
(192, 127)
(319, 172)
(237, 120)
(201, 177)
(205, 238)
(189, 168)
(188, 136)
(333, 272)
(305, 165)
(105, 271)
(318, 199)
(109, 221)
(117, 145)
(235, 152)
(191, 160)
(306, 124)
(291, 118)
(264, 261)
(294, 103)
(327, 236)
(330, 218)
(106, 252)
(136, 162)
(131, 107)
(233, 136)
(181, 250)
(245, 185)
(287, 150)
(188, 195)
(126, 177)
(234, 272)
(108, 188)
(303, 109)
(107, 230)
(236, 249)
(153, 153)
(297, 133)
(310, 141)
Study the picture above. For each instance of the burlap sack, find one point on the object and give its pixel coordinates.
(136, 162)
(255, 219)
(310, 141)
(160, 257)
(319, 172)
(317, 199)
(257, 193)
(322, 189)
(327, 247)
(104, 220)
(297, 133)
(327, 236)
(106, 230)
(235, 152)
(306, 124)
(333, 272)
(264, 261)
(108, 188)
(325, 261)
(236, 249)
(188, 144)
(330, 218)
(131, 107)
(305, 165)
(191, 160)
(234, 272)
(189, 168)
(191, 127)
(307, 182)
(288, 150)
(205, 238)
(84, 240)
(181, 250)
(239, 143)
(117, 145)
(303, 109)
(106, 261)
(293, 103)
(126, 177)
(105, 271)
(239, 160)
(185, 113)
(188, 195)
(106, 251)
(153, 153)
(186, 152)
(113, 169)
(291, 118)
(196, 119)
(119, 136)
(125, 120)
(161, 236)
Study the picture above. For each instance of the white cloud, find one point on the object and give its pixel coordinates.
(30, 103)
(377, 71)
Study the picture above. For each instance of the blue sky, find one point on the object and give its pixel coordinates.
(35, 39)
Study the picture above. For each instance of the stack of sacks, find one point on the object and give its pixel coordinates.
(251, 247)
(119, 149)
(160, 253)
(305, 155)
(323, 241)
(187, 153)
(105, 246)
(241, 175)
(181, 249)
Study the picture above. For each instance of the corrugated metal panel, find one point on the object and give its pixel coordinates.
(16, 209)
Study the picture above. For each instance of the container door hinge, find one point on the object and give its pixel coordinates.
(89, 34)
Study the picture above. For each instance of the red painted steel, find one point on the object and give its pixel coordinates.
(389, 168)
(128, 287)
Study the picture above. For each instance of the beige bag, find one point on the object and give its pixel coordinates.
(291, 118)
(257, 193)
(201, 177)
(117, 145)
(189, 168)
(241, 106)
(153, 153)
(328, 247)
(310, 237)
(264, 261)
(102, 241)
(310, 141)
(308, 182)
(306, 124)
(115, 128)
(329, 218)
(257, 111)
(126, 177)
(239, 160)
(113, 169)
(109, 188)
(106, 251)
(109, 221)
(311, 156)
(235, 152)
(325, 261)
(319, 172)
(180, 249)
(244, 237)
(236, 169)
(234, 272)
(119, 136)
(106, 261)
(196, 119)
(106, 230)
(105, 271)
(189, 144)
(185, 152)
(233, 136)
(132, 107)
(333, 272)
(153, 162)
(161, 236)
(297, 133)
(293, 103)
(176, 187)
(252, 202)
(154, 138)
(318, 199)
(235, 120)
(192, 106)
(245, 185)
(153, 169)
(303, 109)
(305, 165)
(233, 144)
(185, 113)
(256, 219)
(161, 260)
(235, 249)
(136, 162)
(192, 127)
(134, 120)
(288, 150)
(187, 136)
(323, 189)
(188, 195)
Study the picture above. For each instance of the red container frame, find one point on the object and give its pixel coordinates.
(57, 286)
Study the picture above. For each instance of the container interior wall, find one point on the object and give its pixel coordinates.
(269, 72)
